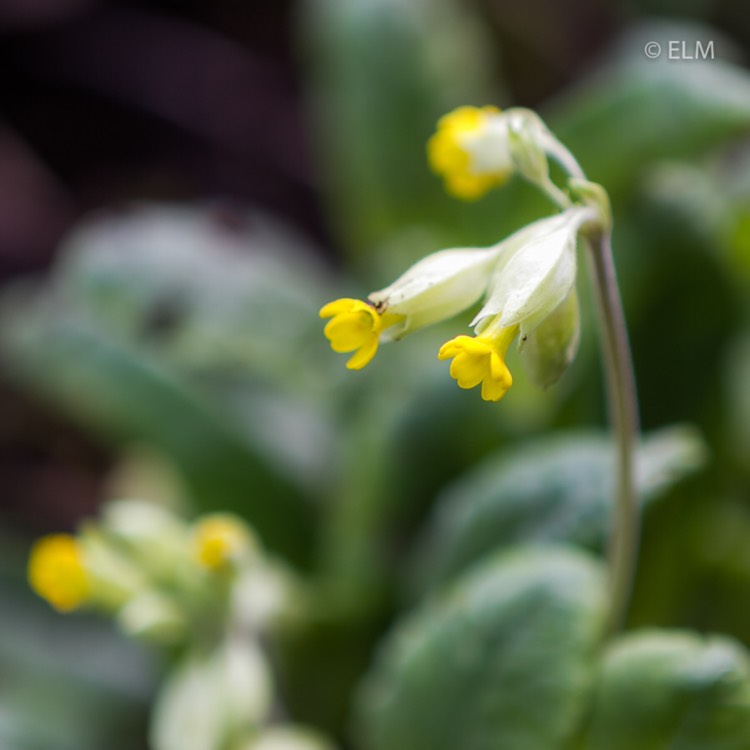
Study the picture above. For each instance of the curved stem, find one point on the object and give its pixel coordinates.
(623, 414)
(562, 156)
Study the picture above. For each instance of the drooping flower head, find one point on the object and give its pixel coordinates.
(527, 281)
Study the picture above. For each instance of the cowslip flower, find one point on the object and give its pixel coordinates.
(355, 326)
(476, 149)
(470, 151)
(433, 289)
(57, 573)
(481, 359)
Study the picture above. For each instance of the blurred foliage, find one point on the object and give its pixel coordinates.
(193, 330)
(91, 686)
(557, 490)
(677, 690)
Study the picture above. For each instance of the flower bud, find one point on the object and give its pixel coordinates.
(547, 351)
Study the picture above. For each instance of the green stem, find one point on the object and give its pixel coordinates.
(623, 414)
(557, 196)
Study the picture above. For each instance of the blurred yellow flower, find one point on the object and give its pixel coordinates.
(470, 151)
(57, 573)
(481, 359)
(219, 540)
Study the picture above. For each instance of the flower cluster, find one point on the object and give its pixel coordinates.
(527, 281)
(144, 565)
(205, 587)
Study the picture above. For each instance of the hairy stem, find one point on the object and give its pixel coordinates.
(623, 414)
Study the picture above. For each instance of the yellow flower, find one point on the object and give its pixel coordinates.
(481, 359)
(470, 151)
(57, 573)
(219, 539)
(355, 327)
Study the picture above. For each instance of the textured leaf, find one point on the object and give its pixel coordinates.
(504, 660)
(675, 690)
(554, 490)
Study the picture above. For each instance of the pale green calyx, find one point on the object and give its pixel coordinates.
(527, 137)
(436, 288)
(549, 349)
(535, 273)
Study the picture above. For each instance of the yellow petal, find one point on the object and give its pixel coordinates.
(448, 155)
(338, 306)
(349, 331)
(468, 369)
(364, 355)
(493, 390)
(455, 346)
(499, 371)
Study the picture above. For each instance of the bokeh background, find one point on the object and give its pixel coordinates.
(183, 185)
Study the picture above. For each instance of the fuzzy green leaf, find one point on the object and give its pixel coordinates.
(505, 659)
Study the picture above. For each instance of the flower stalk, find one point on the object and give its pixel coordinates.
(623, 415)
